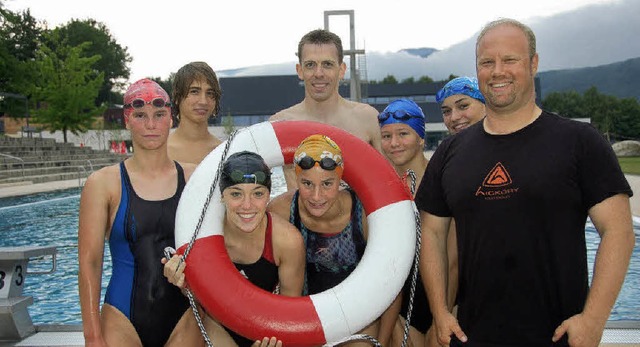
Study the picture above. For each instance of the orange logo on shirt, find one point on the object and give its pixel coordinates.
(497, 177)
(496, 185)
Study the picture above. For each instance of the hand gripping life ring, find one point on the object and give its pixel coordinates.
(309, 320)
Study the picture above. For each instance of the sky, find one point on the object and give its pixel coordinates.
(161, 36)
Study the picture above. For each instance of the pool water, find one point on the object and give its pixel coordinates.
(52, 219)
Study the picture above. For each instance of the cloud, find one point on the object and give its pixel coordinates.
(588, 36)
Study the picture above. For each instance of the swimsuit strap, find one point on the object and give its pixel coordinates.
(267, 252)
(357, 229)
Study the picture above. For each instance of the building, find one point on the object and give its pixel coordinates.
(253, 99)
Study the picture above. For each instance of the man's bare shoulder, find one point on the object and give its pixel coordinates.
(295, 112)
(363, 110)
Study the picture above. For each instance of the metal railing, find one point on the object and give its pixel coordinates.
(79, 176)
(15, 158)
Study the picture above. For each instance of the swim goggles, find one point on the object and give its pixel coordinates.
(397, 114)
(326, 163)
(257, 177)
(139, 103)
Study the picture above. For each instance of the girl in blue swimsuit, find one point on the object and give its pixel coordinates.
(133, 205)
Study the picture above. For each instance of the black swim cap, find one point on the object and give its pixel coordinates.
(245, 167)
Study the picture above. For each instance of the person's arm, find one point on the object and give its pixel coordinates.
(433, 267)
(92, 226)
(290, 177)
(612, 219)
(452, 255)
(373, 129)
(291, 254)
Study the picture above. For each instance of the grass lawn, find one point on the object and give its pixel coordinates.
(630, 165)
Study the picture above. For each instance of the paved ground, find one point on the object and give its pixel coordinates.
(26, 189)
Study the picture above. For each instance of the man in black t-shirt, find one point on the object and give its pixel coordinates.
(520, 185)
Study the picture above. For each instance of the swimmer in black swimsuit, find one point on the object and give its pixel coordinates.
(332, 220)
(402, 132)
(132, 205)
(265, 248)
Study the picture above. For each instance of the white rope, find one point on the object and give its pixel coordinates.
(214, 184)
(356, 337)
(414, 271)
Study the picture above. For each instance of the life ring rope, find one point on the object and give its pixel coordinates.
(414, 270)
(192, 301)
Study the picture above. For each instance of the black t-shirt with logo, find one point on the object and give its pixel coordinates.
(520, 203)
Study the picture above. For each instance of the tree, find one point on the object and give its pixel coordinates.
(408, 80)
(113, 61)
(66, 88)
(425, 79)
(615, 118)
(19, 39)
(227, 123)
(20, 36)
(390, 79)
(568, 104)
(627, 124)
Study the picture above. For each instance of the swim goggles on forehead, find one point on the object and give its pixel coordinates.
(397, 114)
(139, 103)
(326, 163)
(257, 177)
(458, 88)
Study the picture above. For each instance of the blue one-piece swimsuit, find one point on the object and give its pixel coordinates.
(140, 232)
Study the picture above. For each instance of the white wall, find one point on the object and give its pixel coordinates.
(101, 139)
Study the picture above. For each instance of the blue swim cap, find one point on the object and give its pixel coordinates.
(403, 111)
(460, 85)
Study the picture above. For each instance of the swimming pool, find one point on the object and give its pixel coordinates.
(52, 219)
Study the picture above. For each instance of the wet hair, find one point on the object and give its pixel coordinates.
(528, 33)
(319, 37)
(245, 167)
(194, 71)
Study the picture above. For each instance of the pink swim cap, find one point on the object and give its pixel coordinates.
(146, 90)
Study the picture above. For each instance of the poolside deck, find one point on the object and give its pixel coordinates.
(617, 334)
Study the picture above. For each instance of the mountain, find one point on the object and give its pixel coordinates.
(620, 79)
(420, 52)
(588, 36)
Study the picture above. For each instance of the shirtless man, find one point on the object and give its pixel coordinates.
(196, 97)
(132, 205)
(321, 67)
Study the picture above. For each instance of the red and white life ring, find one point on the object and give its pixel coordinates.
(309, 320)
